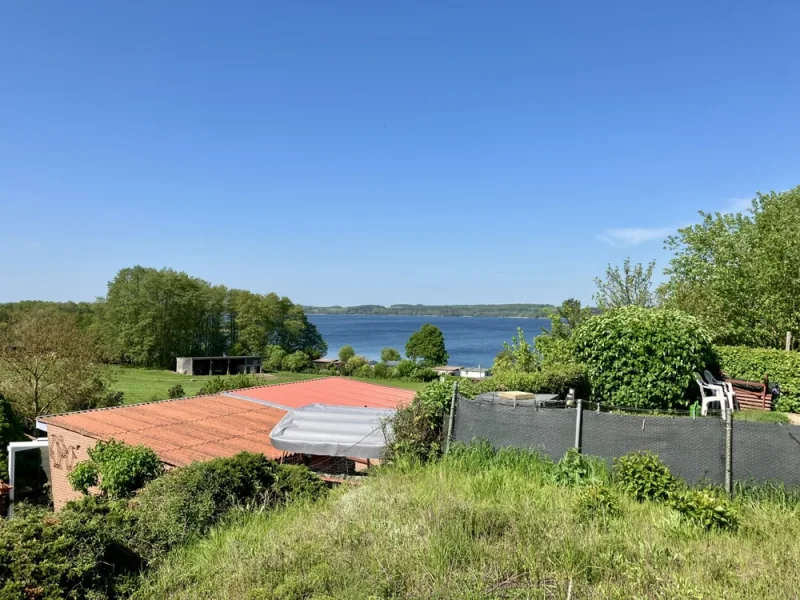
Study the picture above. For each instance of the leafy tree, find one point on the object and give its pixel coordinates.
(346, 353)
(518, 355)
(354, 363)
(390, 354)
(296, 362)
(738, 272)
(427, 344)
(566, 318)
(274, 357)
(46, 361)
(116, 469)
(629, 286)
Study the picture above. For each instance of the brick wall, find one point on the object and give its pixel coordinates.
(66, 449)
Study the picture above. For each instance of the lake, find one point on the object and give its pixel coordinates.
(470, 341)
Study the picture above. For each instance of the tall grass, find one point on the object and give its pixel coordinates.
(484, 525)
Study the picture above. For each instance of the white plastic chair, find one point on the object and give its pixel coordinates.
(711, 393)
(725, 385)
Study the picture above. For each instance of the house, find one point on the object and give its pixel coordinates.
(474, 372)
(217, 365)
(321, 420)
(448, 370)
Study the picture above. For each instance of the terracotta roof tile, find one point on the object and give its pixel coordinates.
(205, 427)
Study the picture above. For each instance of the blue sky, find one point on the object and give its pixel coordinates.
(372, 152)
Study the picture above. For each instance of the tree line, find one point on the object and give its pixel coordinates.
(150, 316)
(533, 311)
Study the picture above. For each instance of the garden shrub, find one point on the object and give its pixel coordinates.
(643, 476)
(643, 357)
(576, 469)
(273, 358)
(558, 378)
(70, 554)
(296, 362)
(596, 502)
(751, 364)
(381, 371)
(426, 374)
(707, 508)
(405, 368)
(418, 428)
(116, 469)
(188, 501)
(176, 391)
(364, 371)
(215, 385)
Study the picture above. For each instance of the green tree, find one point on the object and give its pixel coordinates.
(390, 354)
(10, 431)
(518, 355)
(427, 344)
(566, 318)
(738, 272)
(273, 358)
(354, 363)
(47, 363)
(629, 286)
(346, 353)
(296, 361)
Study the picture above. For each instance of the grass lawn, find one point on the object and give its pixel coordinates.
(142, 385)
(762, 416)
(474, 526)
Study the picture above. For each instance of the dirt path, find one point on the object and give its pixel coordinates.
(794, 419)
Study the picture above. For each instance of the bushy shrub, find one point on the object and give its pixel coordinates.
(295, 483)
(643, 357)
(643, 476)
(707, 508)
(405, 368)
(576, 469)
(95, 394)
(296, 362)
(554, 350)
(558, 378)
(381, 371)
(364, 371)
(418, 427)
(752, 364)
(188, 501)
(116, 469)
(425, 374)
(596, 502)
(273, 358)
(215, 385)
(176, 391)
(354, 363)
(71, 554)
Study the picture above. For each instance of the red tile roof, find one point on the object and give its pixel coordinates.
(205, 427)
(336, 391)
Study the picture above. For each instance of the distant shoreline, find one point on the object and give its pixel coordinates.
(508, 311)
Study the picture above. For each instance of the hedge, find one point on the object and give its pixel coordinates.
(751, 364)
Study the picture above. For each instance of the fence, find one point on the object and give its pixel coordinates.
(693, 448)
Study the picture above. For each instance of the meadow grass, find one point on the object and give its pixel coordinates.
(478, 525)
(762, 416)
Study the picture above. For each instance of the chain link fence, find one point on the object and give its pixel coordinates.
(693, 447)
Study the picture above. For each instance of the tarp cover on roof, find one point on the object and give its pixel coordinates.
(333, 431)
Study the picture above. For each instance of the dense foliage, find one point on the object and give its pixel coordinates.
(707, 508)
(215, 385)
(116, 469)
(96, 547)
(346, 353)
(427, 345)
(418, 428)
(390, 354)
(10, 431)
(50, 365)
(643, 357)
(533, 311)
(643, 476)
(752, 364)
(738, 272)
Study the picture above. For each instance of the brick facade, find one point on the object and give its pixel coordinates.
(66, 449)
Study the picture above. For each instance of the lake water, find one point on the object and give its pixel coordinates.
(470, 341)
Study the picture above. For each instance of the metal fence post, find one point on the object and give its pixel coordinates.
(451, 419)
(579, 425)
(729, 452)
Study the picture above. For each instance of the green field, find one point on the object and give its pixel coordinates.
(143, 385)
(475, 526)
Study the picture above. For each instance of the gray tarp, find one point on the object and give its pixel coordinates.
(333, 431)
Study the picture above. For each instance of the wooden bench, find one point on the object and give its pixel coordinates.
(752, 394)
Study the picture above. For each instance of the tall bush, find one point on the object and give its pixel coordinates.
(752, 364)
(10, 431)
(116, 469)
(216, 385)
(643, 357)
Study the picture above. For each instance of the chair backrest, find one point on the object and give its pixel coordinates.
(709, 377)
(706, 389)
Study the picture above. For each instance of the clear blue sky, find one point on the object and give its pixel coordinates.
(376, 152)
